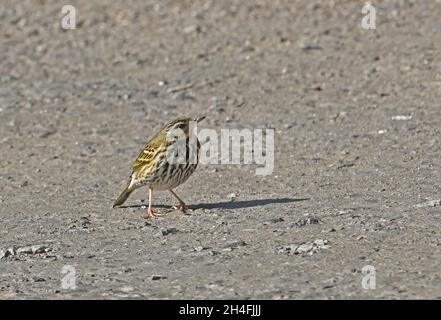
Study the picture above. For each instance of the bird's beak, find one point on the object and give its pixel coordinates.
(199, 119)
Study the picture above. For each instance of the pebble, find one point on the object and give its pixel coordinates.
(305, 248)
(200, 248)
(192, 29)
(320, 242)
(126, 289)
(24, 250)
(231, 197)
(84, 222)
(308, 47)
(3, 253)
(273, 220)
(304, 222)
(167, 231)
(432, 203)
(401, 118)
(45, 132)
(33, 249)
(148, 226)
(68, 255)
(235, 244)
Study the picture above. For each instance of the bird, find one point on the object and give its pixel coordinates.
(166, 161)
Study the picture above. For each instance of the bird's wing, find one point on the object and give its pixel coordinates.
(148, 153)
(145, 157)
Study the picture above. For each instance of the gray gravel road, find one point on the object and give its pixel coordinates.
(356, 178)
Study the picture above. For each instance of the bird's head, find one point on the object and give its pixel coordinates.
(180, 127)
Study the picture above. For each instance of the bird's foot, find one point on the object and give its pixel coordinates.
(183, 207)
(152, 214)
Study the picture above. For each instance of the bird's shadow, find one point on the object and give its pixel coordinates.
(230, 204)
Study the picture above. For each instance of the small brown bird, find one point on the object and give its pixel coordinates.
(166, 161)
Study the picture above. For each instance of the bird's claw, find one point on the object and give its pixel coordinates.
(152, 214)
(183, 207)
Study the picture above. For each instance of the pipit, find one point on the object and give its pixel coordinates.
(166, 161)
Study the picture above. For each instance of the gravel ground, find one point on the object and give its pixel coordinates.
(356, 177)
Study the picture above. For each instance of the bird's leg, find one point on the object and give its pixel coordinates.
(182, 206)
(150, 212)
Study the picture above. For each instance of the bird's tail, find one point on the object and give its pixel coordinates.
(124, 194)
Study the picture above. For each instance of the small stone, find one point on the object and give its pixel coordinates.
(24, 250)
(401, 117)
(200, 248)
(84, 222)
(213, 286)
(167, 231)
(68, 255)
(46, 132)
(432, 203)
(157, 277)
(24, 184)
(12, 251)
(304, 222)
(320, 242)
(329, 283)
(4, 253)
(39, 279)
(148, 226)
(192, 29)
(231, 197)
(126, 289)
(182, 96)
(34, 249)
(235, 244)
(273, 220)
(303, 248)
(39, 249)
(312, 220)
(308, 47)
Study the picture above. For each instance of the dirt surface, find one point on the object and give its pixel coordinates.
(356, 115)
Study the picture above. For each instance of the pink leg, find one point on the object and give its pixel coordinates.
(182, 206)
(150, 212)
